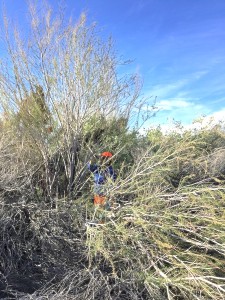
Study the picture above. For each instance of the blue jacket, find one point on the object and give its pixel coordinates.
(101, 176)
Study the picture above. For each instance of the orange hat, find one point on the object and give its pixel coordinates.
(106, 154)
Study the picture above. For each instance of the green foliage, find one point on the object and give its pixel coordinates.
(171, 241)
(203, 159)
(113, 135)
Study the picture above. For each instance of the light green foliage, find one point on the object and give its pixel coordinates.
(171, 241)
(204, 152)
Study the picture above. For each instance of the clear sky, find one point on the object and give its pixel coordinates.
(177, 46)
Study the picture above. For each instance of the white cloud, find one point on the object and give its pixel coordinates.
(199, 74)
(164, 90)
(206, 122)
(219, 115)
(174, 104)
(195, 118)
(169, 105)
(173, 89)
(211, 119)
(220, 100)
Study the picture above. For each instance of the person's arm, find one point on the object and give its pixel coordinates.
(112, 173)
(92, 167)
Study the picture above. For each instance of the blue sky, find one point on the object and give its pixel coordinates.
(177, 46)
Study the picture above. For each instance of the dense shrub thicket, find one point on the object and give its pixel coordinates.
(62, 103)
(165, 241)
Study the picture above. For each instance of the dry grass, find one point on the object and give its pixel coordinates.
(171, 242)
(161, 243)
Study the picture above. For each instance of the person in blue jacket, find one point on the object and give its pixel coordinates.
(103, 174)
